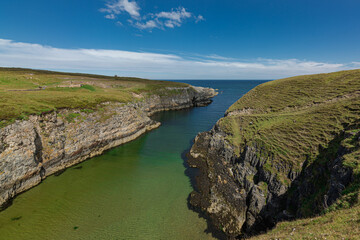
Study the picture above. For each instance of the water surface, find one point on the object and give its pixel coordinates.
(136, 191)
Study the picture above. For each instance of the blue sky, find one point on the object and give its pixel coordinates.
(202, 39)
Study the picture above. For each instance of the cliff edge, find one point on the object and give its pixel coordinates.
(288, 149)
(34, 146)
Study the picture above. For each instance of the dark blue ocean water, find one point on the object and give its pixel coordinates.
(202, 119)
(136, 191)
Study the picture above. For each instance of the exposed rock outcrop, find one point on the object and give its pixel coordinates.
(287, 149)
(232, 190)
(33, 149)
(241, 197)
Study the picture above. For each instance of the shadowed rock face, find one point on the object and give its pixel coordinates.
(231, 189)
(242, 198)
(33, 149)
(287, 149)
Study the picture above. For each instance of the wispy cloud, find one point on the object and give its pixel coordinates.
(217, 57)
(155, 65)
(174, 18)
(149, 21)
(199, 18)
(120, 6)
(147, 25)
(110, 16)
(176, 14)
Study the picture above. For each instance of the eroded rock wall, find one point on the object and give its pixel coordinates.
(241, 197)
(33, 149)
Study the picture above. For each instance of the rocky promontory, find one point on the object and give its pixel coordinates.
(42, 144)
(288, 149)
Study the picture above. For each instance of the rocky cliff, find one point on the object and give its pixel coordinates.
(32, 149)
(280, 153)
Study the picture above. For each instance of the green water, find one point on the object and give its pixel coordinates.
(136, 191)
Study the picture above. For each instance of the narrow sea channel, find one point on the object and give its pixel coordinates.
(136, 191)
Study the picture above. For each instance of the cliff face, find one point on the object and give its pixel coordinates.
(279, 155)
(242, 197)
(33, 149)
(236, 193)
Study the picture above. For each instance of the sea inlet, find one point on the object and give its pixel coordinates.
(136, 191)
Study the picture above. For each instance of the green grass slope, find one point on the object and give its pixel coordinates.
(305, 119)
(24, 91)
(341, 224)
(293, 117)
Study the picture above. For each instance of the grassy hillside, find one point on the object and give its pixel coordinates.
(25, 91)
(292, 118)
(300, 123)
(341, 224)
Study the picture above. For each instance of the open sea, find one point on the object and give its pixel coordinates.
(135, 191)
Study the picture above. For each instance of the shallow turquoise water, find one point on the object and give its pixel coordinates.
(136, 191)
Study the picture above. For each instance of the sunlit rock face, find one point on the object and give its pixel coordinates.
(33, 149)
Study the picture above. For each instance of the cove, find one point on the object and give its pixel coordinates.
(136, 191)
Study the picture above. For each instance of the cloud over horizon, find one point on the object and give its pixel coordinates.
(149, 21)
(155, 65)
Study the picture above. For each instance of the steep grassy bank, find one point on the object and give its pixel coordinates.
(293, 117)
(287, 149)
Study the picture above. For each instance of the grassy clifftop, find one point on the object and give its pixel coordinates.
(292, 118)
(25, 91)
(304, 124)
(301, 91)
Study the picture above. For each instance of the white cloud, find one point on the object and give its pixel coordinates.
(161, 20)
(199, 18)
(217, 57)
(154, 65)
(147, 25)
(170, 24)
(110, 16)
(120, 6)
(176, 14)
(172, 19)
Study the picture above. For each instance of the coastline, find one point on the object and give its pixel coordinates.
(252, 172)
(43, 145)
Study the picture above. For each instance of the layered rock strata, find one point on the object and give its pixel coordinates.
(287, 149)
(242, 198)
(31, 150)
